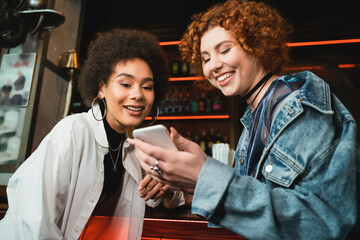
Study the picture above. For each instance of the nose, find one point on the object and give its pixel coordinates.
(137, 93)
(215, 64)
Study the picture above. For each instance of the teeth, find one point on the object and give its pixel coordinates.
(223, 77)
(135, 109)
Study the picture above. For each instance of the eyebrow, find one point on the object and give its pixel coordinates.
(217, 46)
(147, 79)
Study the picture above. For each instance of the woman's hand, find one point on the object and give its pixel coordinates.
(178, 168)
(150, 188)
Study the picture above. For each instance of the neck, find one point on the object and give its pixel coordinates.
(255, 99)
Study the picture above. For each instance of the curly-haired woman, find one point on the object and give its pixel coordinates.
(295, 164)
(83, 179)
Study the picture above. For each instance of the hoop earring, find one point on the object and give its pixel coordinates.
(157, 115)
(92, 108)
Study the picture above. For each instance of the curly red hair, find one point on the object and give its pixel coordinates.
(259, 29)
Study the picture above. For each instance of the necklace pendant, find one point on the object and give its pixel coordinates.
(115, 169)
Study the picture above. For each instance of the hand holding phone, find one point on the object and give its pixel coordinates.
(157, 135)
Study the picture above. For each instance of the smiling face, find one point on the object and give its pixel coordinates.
(129, 94)
(226, 65)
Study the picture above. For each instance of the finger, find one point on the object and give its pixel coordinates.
(145, 161)
(154, 191)
(148, 149)
(181, 142)
(169, 188)
(158, 195)
(188, 190)
(145, 182)
(148, 188)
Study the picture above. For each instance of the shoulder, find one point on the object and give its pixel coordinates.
(74, 126)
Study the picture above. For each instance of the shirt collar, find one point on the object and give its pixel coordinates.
(99, 129)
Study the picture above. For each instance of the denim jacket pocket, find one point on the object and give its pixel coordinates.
(280, 170)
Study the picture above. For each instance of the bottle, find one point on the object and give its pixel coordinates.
(201, 103)
(188, 135)
(195, 103)
(187, 101)
(218, 138)
(196, 138)
(208, 102)
(184, 69)
(180, 102)
(216, 103)
(202, 141)
(166, 104)
(175, 68)
(226, 140)
(174, 102)
(209, 142)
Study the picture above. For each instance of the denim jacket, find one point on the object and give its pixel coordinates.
(305, 183)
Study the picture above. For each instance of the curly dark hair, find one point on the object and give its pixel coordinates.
(259, 29)
(116, 45)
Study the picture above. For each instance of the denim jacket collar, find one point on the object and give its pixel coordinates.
(314, 93)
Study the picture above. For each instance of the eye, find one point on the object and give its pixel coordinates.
(205, 60)
(225, 51)
(148, 87)
(126, 85)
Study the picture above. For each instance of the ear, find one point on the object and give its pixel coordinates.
(102, 87)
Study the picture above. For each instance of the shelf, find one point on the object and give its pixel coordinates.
(195, 78)
(294, 44)
(190, 117)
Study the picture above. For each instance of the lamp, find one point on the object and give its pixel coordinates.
(68, 61)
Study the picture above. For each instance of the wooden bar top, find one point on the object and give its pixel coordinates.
(179, 223)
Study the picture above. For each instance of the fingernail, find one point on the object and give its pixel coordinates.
(131, 141)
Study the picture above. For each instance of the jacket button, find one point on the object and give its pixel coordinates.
(268, 168)
(241, 161)
(76, 229)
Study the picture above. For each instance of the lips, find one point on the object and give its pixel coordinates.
(223, 77)
(135, 108)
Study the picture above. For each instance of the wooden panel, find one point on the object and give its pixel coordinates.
(183, 229)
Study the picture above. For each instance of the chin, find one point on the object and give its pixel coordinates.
(134, 123)
(228, 93)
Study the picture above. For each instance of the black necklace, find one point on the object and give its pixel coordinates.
(261, 82)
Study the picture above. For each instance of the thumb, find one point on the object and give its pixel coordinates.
(180, 142)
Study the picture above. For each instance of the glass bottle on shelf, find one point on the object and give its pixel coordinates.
(187, 101)
(216, 103)
(165, 105)
(180, 102)
(208, 102)
(174, 102)
(195, 103)
(201, 104)
(184, 69)
(202, 140)
(210, 141)
(175, 68)
(218, 138)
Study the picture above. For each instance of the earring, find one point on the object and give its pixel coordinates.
(92, 108)
(157, 115)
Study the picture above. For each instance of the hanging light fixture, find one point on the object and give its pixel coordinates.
(69, 62)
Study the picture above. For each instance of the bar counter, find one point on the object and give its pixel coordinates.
(179, 223)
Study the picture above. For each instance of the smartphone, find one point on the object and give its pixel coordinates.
(156, 135)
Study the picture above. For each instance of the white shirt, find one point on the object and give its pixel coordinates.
(54, 192)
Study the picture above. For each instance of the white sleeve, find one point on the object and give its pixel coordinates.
(171, 201)
(176, 200)
(37, 193)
